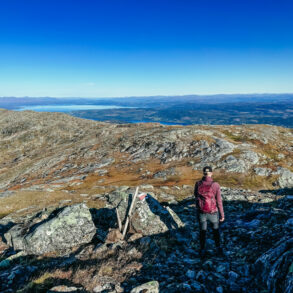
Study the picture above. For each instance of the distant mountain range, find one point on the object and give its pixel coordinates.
(274, 109)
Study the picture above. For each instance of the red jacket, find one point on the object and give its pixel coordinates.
(217, 192)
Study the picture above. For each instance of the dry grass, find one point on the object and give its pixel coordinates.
(246, 181)
(37, 200)
(236, 153)
(234, 137)
(85, 276)
(207, 138)
(42, 278)
(30, 201)
(83, 135)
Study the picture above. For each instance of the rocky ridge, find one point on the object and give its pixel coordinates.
(157, 257)
(57, 149)
(59, 173)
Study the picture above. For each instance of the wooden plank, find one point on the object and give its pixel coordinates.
(129, 213)
(119, 220)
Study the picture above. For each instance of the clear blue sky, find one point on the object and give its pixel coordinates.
(83, 48)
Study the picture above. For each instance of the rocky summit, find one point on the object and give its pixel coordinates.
(67, 188)
(160, 253)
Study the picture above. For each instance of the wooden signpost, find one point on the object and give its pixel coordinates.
(118, 220)
(129, 213)
(128, 216)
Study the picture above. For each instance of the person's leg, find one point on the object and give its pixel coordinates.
(214, 218)
(203, 230)
(202, 239)
(217, 237)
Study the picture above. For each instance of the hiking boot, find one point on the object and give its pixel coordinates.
(203, 253)
(220, 252)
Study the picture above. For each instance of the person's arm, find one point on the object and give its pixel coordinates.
(220, 203)
(195, 195)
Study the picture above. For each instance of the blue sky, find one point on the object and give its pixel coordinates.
(138, 48)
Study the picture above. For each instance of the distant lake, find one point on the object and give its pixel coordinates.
(67, 108)
(161, 122)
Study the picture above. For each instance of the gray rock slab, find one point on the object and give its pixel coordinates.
(150, 287)
(70, 227)
(275, 266)
(149, 217)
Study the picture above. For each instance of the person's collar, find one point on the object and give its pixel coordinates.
(207, 178)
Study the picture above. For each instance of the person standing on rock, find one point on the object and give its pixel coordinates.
(208, 203)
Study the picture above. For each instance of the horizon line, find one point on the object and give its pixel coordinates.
(144, 96)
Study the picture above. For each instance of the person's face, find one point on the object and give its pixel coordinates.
(208, 173)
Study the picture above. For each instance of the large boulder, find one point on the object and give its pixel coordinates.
(149, 217)
(165, 173)
(240, 164)
(275, 266)
(260, 171)
(210, 154)
(285, 179)
(64, 229)
(232, 164)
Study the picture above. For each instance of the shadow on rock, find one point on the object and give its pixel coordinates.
(254, 263)
(170, 259)
(164, 214)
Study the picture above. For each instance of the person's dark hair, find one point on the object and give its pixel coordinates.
(207, 169)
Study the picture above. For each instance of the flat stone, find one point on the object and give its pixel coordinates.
(190, 274)
(62, 288)
(150, 287)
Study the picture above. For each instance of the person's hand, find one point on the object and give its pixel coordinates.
(222, 219)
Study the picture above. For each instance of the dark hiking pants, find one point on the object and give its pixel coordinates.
(203, 218)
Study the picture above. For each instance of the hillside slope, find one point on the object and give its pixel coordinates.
(45, 152)
(63, 179)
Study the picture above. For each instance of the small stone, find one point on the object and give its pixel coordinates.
(219, 289)
(289, 222)
(208, 265)
(253, 224)
(147, 186)
(196, 286)
(118, 288)
(61, 288)
(101, 288)
(200, 276)
(185, 286)
(4, 263)
(233, 276)
(191, 261)
(149, 287)
(222, 268)
(65, 201)
(190, 274)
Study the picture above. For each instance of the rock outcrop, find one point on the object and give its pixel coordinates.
(276, 267)
(162, 261)
(149, 217)
(285, 179)
(65, 160)
(54, 148)
(64, 229)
